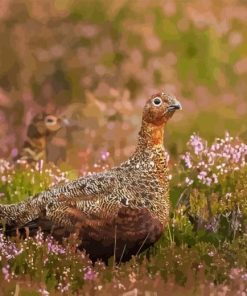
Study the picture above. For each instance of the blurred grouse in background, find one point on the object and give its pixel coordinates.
(119, 212)
(41, 127)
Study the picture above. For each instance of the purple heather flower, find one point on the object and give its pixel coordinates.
(188, 181)
(228, 195)
(89, 275)
(6, 272)
(196, 142)
(187, 160)
(63, 288)
(215, 178)
(3, 178)
(208, 181)
(104, 154)
(54, 248)
(235, 272)
(44, 292)
(39, 238)
(212, 226)
(14, 152)
(8, 249)
(202, 175)
(244, 276)
(220, 159)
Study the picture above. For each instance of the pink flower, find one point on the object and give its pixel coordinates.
(89, 275)
(202, 175)
(219, 160)
(187, 160)
(6, 272)
(188, 181)
(196, 142)
(54, 248)
(104, 155)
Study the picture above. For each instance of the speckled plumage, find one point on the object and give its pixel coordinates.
(34, 146)
(121, 211)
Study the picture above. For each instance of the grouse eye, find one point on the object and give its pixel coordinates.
(157, 101)
(50, 120)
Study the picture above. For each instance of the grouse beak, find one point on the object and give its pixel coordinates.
(66, 122)
(175, 106)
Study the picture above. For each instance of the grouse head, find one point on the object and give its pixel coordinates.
(43, 124)
(159, 108)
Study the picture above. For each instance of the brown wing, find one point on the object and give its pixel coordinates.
(85, 188)
(64, 217)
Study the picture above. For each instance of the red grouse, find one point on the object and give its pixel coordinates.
(119, 212)
(41, 126)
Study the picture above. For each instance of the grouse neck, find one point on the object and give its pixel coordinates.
(150, 136)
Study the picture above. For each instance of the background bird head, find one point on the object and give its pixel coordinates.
(159, 108)
(43, 124)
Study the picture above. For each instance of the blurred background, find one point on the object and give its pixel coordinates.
(97, 61)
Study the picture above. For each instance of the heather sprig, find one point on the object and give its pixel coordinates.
(211, 165)
(213, 178)
(53, 267)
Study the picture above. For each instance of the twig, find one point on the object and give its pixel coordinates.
(142, 244)
(115, 246)
(122, 254)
